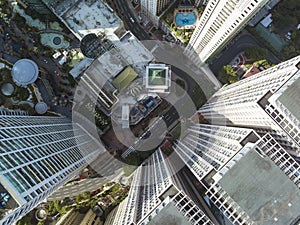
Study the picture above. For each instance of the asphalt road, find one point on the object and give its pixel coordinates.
(125, 12)
(243, 42)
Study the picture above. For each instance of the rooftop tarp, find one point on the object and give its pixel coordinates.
(124, 78)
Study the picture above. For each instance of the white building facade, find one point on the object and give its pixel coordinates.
(243, 173)
(219, 23)
(208, 147)
(38, 155)
(153, 9)
(147, 197)
(267, 100)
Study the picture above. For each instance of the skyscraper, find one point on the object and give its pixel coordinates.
(153, 9)
(219, 23)
(267, 102)
(38, 154)
(156, 198)
(210, 147)
(250, 179)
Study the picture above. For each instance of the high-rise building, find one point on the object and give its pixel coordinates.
(38, 154)
(267, 102)
(153, 9)
(219, 23)
(156, 198)
(250, 179)
(209, 147)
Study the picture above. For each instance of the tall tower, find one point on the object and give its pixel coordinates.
(38, 154)
(153, 9)
(249, 178)
(156, 198)
(266, 101)
(219, 23)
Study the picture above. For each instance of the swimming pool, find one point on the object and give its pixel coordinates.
(185, 19)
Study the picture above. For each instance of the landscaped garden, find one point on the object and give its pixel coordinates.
(254, 57)
(108, 196)
(13, 96)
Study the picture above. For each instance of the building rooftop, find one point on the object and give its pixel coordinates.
(106, 67)
(133, 50)
(267, 20)
(290, 98)
(41, 108)
(158, 77)
(7, 89)
(86, 17)
(124, 78)
(24, 72)
(92, 45)
(262, 190)
(169, 215)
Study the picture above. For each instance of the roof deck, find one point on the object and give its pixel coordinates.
(262, 190)
(88, 17)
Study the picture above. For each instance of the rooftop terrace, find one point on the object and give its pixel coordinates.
(85, 17)
(262, 190)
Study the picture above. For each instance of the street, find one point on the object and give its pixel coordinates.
(125, 12)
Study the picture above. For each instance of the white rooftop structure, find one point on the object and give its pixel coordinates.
(129, 51)
(133, 50)
(86, 17)
(7, 89)
(267, 20)
(41, 108)
(56, 55)
(62, 60)
(158, 77)
(81, 66)
(24, 72)
(125, 116)
(105, 67)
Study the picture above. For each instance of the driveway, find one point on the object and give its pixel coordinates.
(243, 42)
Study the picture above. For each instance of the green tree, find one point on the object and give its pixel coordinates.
(24, 221)
(256, 53)
(57, 205)
(227, 75)
(290, 51)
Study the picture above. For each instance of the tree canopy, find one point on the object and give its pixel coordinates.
(227, 75)
(256, 53)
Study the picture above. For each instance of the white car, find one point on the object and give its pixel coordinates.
(131, 19)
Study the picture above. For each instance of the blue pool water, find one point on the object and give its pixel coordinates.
(185, 19)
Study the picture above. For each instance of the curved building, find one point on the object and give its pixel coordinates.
(7, 89)
(41, 108)
(24, 72)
